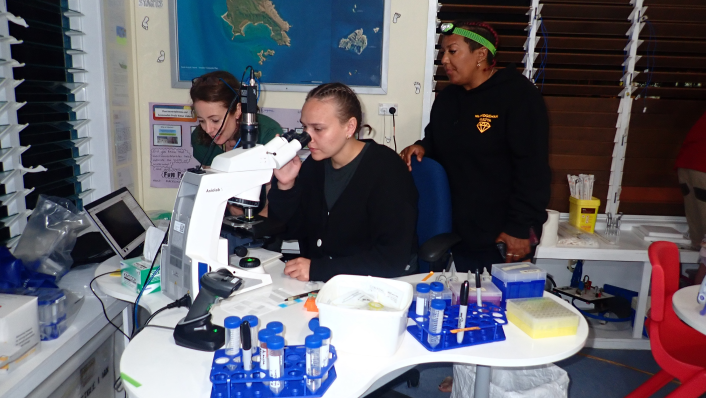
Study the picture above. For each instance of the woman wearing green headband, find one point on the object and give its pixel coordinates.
(489, 130)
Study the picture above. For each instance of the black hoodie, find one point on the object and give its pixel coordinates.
(493, 143)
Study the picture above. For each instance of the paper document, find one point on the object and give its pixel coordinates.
(258, 305)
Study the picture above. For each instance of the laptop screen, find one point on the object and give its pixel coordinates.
(122, 221)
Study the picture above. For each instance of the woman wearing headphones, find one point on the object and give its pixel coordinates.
(489, 130)
(352, 204)
(218, 114)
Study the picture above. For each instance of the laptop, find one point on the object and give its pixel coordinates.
(121, 221)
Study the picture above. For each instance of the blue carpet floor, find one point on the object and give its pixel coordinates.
(593, 373)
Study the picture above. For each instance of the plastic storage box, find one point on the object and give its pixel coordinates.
(489, 293)
(519, 280)
(582, 213)
(52, 313)
(359, 330)
(542, 317)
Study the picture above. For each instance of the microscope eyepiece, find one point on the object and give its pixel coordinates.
(304, 138)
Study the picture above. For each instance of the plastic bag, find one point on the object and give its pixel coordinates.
(46, 243)
(544, 381)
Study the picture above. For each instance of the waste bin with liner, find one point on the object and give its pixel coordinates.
(544, 381)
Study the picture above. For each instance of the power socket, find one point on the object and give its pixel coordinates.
(384, 109)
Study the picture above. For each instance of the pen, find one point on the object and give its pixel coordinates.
(247, 345)
(462, 311)
(429, 275)
(296, 296)
(479, 300)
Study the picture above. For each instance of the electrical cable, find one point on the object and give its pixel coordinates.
(394, 129)
(185, 301)
(105, 314)
(149, 279)
(157, 326)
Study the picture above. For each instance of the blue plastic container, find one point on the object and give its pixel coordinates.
(230, 379)
(489, 318)
(519, 280)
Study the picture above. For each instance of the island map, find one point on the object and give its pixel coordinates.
(288, 42)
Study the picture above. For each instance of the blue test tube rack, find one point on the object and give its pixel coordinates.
(489, 318)
(230, 379)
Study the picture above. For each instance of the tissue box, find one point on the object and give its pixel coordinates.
(19, 326)
(134, 275)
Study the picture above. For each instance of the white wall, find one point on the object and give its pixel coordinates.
(153, 84)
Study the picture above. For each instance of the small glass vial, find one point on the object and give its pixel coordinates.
(277, 328)
(275, 361)
(313, 324)
(313, 361)
(437, 291)
(325, 334)
(422, 297)
(254, 327)
(232, 325)
(436, 321)
(262, 337)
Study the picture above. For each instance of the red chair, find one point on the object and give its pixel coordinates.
(679, 349)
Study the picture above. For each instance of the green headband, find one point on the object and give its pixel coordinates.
(448, 28)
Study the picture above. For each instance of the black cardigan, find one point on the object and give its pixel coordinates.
(493, 142)
(371, 228)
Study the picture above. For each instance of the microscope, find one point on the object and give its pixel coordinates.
(194, 247)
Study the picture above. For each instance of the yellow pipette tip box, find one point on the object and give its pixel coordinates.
(583, 213)
(542, 317)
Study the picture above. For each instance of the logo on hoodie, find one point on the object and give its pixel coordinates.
(484, 121)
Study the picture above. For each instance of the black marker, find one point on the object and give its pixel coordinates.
(462, 311)
(478, 290)
(247, 345)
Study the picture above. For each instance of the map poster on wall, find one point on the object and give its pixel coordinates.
(293, 45)
(171, 126)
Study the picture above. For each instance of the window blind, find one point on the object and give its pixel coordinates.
(50, 83)
(670, 96)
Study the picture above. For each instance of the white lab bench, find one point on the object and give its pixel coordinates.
(629, 249)
(47, 369)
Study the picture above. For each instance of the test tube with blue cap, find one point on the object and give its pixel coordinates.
(422, 299)
(313, 361)
(437, 291)
(262, 337)
(436, 321)
(277, 328)
(254, 326)
(313, 324)
(325, 334)
(232, 325)
(275, 360)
